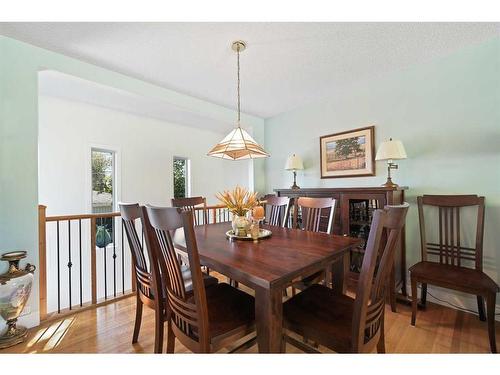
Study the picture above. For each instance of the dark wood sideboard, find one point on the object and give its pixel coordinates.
(353, 213)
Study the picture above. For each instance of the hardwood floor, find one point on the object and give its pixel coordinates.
(108, 329)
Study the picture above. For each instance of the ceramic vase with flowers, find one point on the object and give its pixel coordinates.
(239, 202)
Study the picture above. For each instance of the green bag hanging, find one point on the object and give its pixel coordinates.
(102, 237)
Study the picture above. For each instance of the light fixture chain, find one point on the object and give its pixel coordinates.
(239, 100)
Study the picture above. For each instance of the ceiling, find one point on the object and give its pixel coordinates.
(286, 65)
(60, 85)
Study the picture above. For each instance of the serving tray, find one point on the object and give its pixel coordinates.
(263, 233)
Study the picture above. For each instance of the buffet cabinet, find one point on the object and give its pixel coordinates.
(353, 214)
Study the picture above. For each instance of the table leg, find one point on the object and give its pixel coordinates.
(340, 271)
(269, 319)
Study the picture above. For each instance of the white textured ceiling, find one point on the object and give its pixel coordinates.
(285, 66)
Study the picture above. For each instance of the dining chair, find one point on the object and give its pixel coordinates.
(340, 322)
(198, 205)
(314, 211)
(277, 210)
(147, 273)
(451, 258)
(208, 319)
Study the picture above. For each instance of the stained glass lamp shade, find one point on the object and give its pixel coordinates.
(238, 145)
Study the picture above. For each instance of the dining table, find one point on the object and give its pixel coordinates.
(270, 265)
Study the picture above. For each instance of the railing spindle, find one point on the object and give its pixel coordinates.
(80, 258)
(123, 261)
(105, 273)
(70, 265)
(58, 273)
(114, 257)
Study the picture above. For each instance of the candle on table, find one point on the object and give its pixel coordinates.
(258, 213)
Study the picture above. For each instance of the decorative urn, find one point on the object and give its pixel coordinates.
(15, 289)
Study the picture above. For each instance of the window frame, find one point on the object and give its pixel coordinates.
(114, 175)
(188, 175)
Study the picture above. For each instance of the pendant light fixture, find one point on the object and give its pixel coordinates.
(238, 144)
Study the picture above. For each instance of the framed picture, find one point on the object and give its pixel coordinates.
(348, 154)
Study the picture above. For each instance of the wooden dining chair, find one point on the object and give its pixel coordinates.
(147, 276)
(198, 205)
(277, 210)
(208, 319)
(313, 211)
(147, 273)
(339, 322)
(448, 261)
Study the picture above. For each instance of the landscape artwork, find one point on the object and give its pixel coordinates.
(348, 154)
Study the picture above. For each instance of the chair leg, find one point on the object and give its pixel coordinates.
(138, 319)
(381, 340)
(423, 297)
(414, 298)
(391, 288)
(283, 344)
(159, 326)
(480, 308)
(490, 306)
(170, 338)
(392, 299)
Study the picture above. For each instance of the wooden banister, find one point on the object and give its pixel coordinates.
(82, 216)
(64, 262)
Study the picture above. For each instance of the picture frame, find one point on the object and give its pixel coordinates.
(348, 154)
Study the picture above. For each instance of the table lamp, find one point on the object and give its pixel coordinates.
(294, 163)
(391, 150)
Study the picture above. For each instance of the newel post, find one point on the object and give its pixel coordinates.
(42, 259)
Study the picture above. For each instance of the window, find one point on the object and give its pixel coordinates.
(181, 177)
(103, 172)
(103, 193)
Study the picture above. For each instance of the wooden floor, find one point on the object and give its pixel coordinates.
(108, 329)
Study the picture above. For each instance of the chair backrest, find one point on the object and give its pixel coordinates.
(198, 205)
(189, 311)
(314, 211)
(377, 264)
(448, 247)
(277, 210)
(146, 271)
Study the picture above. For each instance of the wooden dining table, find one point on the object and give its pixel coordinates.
(270, 265)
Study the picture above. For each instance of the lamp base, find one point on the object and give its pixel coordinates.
(295, 186)
(389, 183)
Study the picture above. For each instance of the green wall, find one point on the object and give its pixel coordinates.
(446, 112)
(19, 66)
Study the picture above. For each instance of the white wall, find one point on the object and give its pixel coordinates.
(145, 149)
(446, 112)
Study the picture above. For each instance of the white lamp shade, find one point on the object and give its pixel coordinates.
(294, 162)
(238, 145)
(391, 150)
